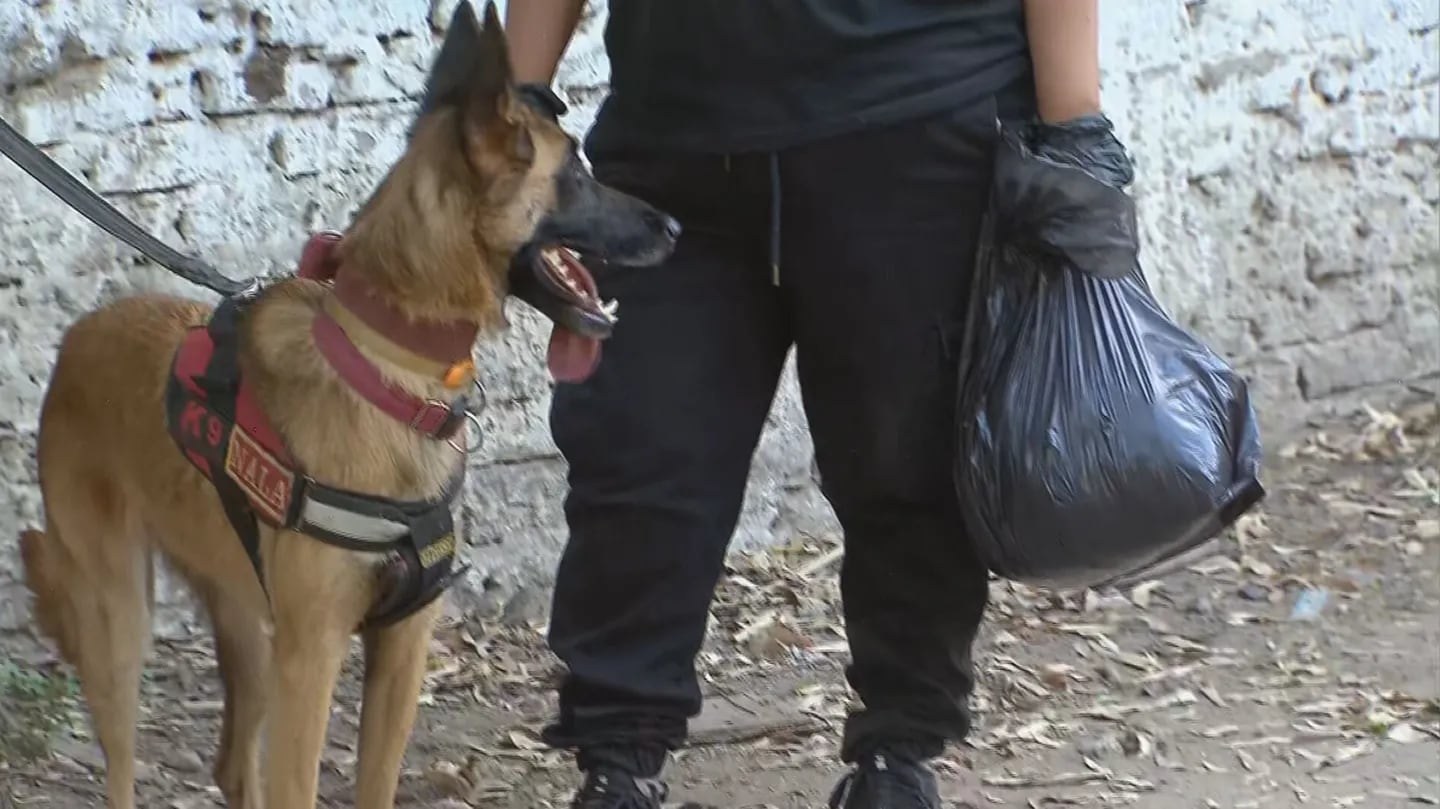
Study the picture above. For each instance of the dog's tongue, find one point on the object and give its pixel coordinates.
(572, 358)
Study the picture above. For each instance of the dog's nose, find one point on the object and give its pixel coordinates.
(672, 228)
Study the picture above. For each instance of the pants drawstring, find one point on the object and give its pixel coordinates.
(774, 212)
(775, 218)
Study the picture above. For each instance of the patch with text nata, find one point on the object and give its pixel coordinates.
(267, 482)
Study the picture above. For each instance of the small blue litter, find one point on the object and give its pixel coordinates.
(1309, 604)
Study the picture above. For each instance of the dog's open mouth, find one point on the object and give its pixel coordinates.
(552, 279)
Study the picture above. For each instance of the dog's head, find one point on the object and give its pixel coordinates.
(491, 199)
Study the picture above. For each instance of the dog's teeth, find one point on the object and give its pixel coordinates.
(610, 307)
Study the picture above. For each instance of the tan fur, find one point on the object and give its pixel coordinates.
(436, 237)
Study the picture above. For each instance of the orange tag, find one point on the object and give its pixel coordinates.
(459, 373)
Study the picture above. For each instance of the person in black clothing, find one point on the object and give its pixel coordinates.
(829, 161)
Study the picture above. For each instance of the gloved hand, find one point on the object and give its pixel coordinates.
(1088, 143)
(541, 98)
(1060, 192)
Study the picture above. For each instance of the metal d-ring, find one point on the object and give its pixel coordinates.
(484, 396)
(474, 428)
(473, 424)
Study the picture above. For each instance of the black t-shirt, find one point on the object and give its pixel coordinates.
(748, 75)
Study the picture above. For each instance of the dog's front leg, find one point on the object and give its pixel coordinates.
(302, 684)
(243, 652)
(317, 596)
(394, 668)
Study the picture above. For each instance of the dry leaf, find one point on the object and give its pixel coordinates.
(1404, 733)
(1140, 596)
(523, 740)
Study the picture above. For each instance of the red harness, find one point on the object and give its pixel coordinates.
(216, 421)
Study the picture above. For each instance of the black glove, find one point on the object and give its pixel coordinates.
(1059, 190)
(542, 99)
(1088, 143)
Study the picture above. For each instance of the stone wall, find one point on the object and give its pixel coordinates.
(1288, 184)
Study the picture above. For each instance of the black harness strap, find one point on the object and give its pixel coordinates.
(421, 562)
(419, 570)
(202, 426)
(221, 382)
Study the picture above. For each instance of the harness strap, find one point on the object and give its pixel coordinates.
(419, 571)
(219, 381)
(417, 537)
(361, 522)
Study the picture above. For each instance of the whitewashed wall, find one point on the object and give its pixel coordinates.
(1286, 152)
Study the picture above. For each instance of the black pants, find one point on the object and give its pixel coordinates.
(874, 237)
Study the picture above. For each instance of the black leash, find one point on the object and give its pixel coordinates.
(93, 207)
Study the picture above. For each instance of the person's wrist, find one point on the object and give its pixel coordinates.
(1059, 112)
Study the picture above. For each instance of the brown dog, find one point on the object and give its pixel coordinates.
(489, 178)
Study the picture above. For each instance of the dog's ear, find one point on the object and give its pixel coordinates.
(491, 81)
(455, 65)
(471, 73)
(490, 111)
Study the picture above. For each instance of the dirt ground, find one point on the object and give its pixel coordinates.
(1300, 668)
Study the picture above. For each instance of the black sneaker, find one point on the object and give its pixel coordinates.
(885, 781)
(613, 788)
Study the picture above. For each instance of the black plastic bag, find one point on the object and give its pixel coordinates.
(1097, 439)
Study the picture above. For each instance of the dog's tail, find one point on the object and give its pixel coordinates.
(46, 562)
(62, 598)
